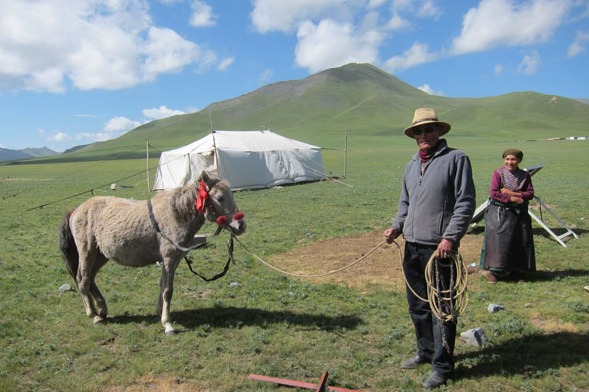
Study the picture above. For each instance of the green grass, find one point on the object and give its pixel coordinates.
(279, 326)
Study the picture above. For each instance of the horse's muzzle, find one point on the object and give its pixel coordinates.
(237, 225)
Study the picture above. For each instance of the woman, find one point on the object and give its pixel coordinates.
(508, 248)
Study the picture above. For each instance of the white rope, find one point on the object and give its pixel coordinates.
(311, 275)
(456, 296)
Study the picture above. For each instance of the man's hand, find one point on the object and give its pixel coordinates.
(445, 248)
(390, 234)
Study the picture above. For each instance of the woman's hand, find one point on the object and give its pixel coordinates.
(509, 192)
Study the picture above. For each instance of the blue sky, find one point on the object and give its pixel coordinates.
(78, 71)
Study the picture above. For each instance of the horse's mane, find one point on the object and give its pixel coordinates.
(184, 198)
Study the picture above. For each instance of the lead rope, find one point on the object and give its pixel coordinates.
(456, 296)
(312, 275)
(220, 274)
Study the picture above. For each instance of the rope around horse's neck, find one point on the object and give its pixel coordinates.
(310, 275)
(456, 296)
(171, 241)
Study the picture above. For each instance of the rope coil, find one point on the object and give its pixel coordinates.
(455, 297)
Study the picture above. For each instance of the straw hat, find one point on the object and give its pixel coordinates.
(425, 116)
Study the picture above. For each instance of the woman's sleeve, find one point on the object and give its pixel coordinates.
(527, 190)
(495, 189)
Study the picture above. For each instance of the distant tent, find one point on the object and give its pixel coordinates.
(247, 159)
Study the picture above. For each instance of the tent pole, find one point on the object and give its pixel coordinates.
(346, 155)
(215, 156)
(147, 164)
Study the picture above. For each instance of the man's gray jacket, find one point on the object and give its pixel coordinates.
(438, 203)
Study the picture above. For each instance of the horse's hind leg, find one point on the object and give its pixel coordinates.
(85, 280)
(95, 294)
(166, 291)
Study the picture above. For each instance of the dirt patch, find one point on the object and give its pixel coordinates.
(150, 383)
(381, 267)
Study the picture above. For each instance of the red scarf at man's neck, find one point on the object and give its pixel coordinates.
(426, 155)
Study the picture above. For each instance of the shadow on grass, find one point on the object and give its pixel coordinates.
(543, 276)
(529, 356)
(230, 317)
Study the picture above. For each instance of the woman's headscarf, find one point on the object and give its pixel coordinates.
(515, 152)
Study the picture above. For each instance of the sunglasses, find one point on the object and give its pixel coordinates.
(426, 129)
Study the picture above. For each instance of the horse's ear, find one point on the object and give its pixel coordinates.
(204, 176)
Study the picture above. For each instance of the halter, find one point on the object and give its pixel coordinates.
(202, 197)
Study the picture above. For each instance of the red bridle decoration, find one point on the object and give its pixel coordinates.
(202, 197)
(223, 221)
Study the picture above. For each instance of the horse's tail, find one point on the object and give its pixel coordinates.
(67, 246)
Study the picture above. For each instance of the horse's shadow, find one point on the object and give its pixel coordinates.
(231, 317)
(529, 355)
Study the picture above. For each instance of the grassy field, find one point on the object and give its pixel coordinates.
(256, 320)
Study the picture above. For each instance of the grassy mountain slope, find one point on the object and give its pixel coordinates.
(359, 98)
(25, 153)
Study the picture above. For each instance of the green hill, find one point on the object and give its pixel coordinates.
(361, 99)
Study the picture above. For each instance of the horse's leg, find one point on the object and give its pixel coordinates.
(95, 294)
(85, 278)
(166, 292)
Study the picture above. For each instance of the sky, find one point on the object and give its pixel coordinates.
(75, 72)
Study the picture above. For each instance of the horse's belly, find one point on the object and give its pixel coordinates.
(131, 255)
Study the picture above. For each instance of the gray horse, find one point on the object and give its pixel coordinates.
(139, 233)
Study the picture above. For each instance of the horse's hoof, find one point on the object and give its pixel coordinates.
(169, 330)
(98, 320)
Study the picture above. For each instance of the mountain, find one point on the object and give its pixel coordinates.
(26, 153)
(358, 98)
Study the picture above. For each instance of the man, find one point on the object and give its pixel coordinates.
(435, 208)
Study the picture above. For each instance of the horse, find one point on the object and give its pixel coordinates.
(139, 233)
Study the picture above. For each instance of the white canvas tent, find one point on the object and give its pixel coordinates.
(247, 159)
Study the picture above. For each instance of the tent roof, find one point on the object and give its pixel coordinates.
(246, 159)
(243, 141)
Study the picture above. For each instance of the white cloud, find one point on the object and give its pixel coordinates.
(578, 46)
(167, 52)
(284, 16)
(202, 15)
(429, 9)
(509, 23)
(376, 3)
(225, 63)
(529, 64)
(92, 44)
(265, 76)
(397, 22)
(161, 112)
(426, 88)
(418, 54)
(119, 125)
(58, 136)
(330, 44)
(498, 69)
(113, 128)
